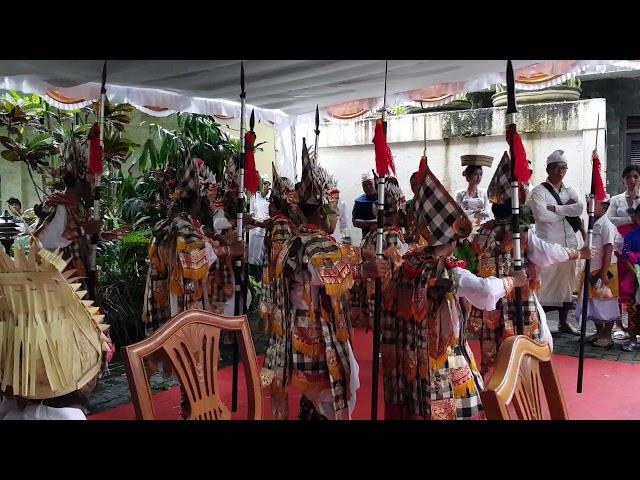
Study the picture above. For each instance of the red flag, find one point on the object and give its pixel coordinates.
(95, 167)
(384, 158)
(522, 171)
(598, 180)
(422, 169)
(251, 178)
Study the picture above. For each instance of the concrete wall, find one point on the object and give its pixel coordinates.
(623, 100)
(15, 182)
(346, 150)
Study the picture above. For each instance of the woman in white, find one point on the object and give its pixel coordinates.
(473, 199)
(622, 207)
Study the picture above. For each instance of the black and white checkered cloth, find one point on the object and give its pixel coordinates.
(439, 212)
(190, 181)
(499, 189)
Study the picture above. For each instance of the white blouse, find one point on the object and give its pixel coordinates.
(471, 204)
(618, 207)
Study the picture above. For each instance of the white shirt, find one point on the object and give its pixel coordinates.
(260, 211)
(618, 207)
(342, 223)
(542, 253)
(52, 236)
(604, 233)
(9, 411)
(482, 293)
(553, 226)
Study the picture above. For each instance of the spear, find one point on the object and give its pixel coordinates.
(381, 180)
(317, 131)
(587, 262)
(245, 283)
(95, 168)
(239, 236)
(511, 128)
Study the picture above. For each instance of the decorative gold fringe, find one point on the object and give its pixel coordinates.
(338, 288)
(438, 362)
(181, 246)
(342, 335)
(313, 351)
(198, 274)
(277, 329)
(465, 389)
(335, 372)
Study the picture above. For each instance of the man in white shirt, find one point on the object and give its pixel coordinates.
(259, 212)
(555, 208)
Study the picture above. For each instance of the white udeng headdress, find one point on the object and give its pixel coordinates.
(557, 156)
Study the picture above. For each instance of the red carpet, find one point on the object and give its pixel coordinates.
(606, 388)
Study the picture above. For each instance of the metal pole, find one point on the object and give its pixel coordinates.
(587, 269)
(239, 302)
(379, 240)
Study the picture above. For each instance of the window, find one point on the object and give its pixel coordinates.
(633, 140)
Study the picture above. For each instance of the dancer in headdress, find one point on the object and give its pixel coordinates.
(311, 348)
(395, 221)
(180, 254)
(428, 368)
(492, 246)
(66, 224)
(281, 227)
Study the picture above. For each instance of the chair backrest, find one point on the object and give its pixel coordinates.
(523, 370)
(190, 341)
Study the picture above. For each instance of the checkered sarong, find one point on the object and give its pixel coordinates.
(157, 310)
(413, 380)
(278, 234)
(495, 327)
(222, 280)
(190, 181)
(438, 212)
(319, 334)
(173, 246)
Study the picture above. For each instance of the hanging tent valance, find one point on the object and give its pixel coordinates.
(284, 92)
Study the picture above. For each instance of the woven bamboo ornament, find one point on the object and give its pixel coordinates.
(51, 339)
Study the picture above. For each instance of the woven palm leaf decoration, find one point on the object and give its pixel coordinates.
(51, 339)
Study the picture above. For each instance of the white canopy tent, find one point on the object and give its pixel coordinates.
(283, 92)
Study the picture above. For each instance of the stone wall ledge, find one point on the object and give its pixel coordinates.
(537, 118)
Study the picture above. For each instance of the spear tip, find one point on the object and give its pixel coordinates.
(242, 76)
(252, 120)
(104, 77)
(511, 89)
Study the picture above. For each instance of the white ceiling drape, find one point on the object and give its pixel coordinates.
(282, 92)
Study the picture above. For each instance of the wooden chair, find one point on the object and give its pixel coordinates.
(523, 369)
(191, 343)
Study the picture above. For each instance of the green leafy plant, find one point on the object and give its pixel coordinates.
(123, 273)
(18, 112)
(255, 287)
(197, 135)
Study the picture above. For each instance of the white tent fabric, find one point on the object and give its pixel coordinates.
(283, 92)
